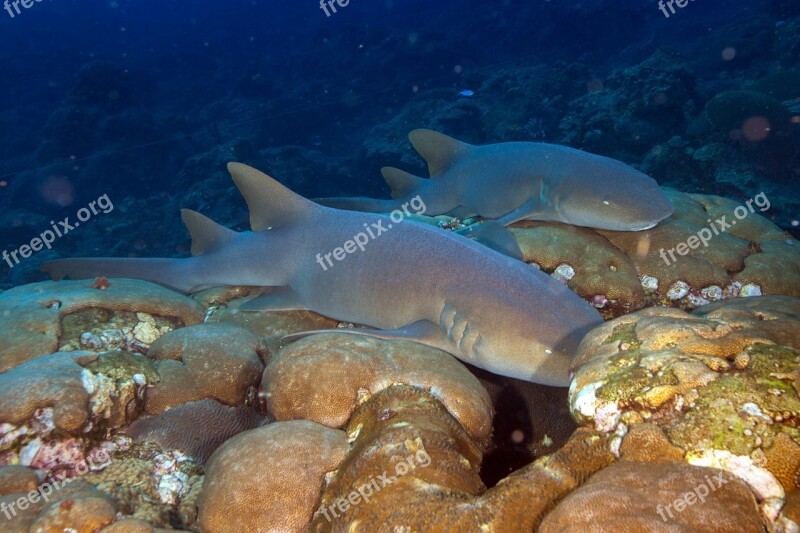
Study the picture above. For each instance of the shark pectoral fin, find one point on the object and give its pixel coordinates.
(437, 149)
(495, 236)
(278, 299)
(528, 211)
(402, 183)
(206, 234)
(423, 331)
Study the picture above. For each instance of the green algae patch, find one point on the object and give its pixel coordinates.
(624, 334)
(122, 366)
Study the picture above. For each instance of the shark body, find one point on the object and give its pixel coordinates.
(410, 281)
(522, 181)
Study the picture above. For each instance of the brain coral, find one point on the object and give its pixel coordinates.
(622, 271)
(195, 428)
(269, 478)
(31, 316)
(722, 384)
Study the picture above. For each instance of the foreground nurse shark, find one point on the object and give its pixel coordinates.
(411, 281)
(522, 181)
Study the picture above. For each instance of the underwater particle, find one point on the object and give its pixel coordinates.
(728, 53)
(678, 290)
(564, 273)
(466, 92)
(751, 289)
(756, 128)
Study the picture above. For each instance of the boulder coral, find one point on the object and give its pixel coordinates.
(269, 478)
(412, 467)
(32, 316)
(219, 361)
(291, 381)
(620, 272)
(721, 383)
(630, 497)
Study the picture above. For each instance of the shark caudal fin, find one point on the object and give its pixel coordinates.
(437, 149)
(167, 272)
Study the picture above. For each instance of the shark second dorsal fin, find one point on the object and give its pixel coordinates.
(402, 183)
(206, 234)
(437, 149)
(271, 204)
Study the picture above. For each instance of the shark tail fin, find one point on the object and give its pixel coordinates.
(439, 150)
(206, 234)
(166, 272)
(402, 183)
(366, 205)
(270, 203)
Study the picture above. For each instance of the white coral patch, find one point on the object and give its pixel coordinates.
(649, 282)
(678, 290)
(564, 273)
(761, 481)
(751, 289)
(712, 293)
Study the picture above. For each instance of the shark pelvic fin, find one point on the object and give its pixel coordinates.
(495, 236)
(271, 204)
(206, 234)
(277, 299)
(402, 183)
(437, 149)
(423, 331)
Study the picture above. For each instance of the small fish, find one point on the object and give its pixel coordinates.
(466, 92)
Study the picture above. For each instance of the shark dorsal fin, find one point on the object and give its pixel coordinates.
(206, 234)
(437, 149)
(402, 183)
(271, 204)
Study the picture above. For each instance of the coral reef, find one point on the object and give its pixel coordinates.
(621, 272)
(285, 465)
(720, 383)
(33, 316)
(438, 487)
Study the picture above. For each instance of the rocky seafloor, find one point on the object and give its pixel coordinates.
(126, 407)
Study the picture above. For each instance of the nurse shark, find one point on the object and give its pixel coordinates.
(522, 181)
(410, 281)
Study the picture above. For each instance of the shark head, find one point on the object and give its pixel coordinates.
(616, 197)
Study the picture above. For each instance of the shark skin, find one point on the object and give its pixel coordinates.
(517, 181)
(412, 281)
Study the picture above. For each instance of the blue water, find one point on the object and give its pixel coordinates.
(144, 102)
